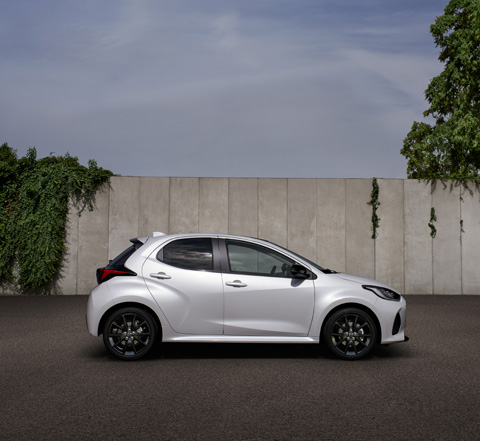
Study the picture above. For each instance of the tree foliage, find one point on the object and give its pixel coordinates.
(450, 148)
(34, 204)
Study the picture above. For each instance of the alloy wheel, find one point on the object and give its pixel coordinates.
(350, 334)
(129, 334)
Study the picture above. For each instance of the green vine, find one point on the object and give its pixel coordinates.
(462, 231)
(34, 204)
(433, 218)
(374, 203)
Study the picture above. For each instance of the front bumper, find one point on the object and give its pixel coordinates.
(393, 319)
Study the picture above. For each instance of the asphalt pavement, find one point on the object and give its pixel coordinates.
(58, 383)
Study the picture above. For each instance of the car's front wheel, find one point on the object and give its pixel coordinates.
(129, 333)
(350, 333)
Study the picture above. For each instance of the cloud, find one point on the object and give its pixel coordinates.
(217, 88)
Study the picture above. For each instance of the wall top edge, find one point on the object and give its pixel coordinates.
(270, 177)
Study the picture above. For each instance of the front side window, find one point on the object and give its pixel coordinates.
(193, 254)
(248, 258)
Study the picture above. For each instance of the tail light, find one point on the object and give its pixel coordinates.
(104, 274)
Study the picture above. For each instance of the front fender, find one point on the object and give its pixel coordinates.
(328, 299)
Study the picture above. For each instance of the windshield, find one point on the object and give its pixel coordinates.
(303, 258)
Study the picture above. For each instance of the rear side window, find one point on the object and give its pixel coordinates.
(123, 256)
(192, 254)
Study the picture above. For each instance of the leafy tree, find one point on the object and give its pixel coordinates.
(34, 202)
(450, 148)
(8, 225)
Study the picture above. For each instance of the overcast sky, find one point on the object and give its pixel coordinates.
(241, 88)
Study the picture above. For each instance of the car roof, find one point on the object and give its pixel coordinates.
(160, 237)
(153, 241)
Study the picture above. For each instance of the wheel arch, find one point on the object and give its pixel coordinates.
(358, 306)
(119, 306)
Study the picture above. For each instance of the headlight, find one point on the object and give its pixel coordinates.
(383, 293)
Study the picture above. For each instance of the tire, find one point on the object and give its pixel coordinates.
(129, 333)
(350, 334)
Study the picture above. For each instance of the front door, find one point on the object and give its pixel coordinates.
(261, 296)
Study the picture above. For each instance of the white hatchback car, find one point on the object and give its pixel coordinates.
(223, 288)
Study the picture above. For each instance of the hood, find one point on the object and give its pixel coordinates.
(361, 280)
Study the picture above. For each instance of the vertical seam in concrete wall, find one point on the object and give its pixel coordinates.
(403, 229)
(431, 240)
(374, 239)
(228, 205)
(76, 266)
(258, 206)
(108, 218)
(404, 241)
(257, 210)
(345, 229)
(316, 220)
(198, 205)
(461, 241)
(169, 203)
(316, 205)
(288, 226)
(139, 208)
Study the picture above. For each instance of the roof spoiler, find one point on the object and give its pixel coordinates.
(139, 240)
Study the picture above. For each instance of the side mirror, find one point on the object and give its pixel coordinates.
(299, 271)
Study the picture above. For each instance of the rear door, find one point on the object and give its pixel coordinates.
(186, 284)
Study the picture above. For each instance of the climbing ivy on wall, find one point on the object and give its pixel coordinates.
(34, 204)
(375, 203)
(431, 224)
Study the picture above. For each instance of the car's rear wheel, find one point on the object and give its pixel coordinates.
(129, 333)
(350, 333)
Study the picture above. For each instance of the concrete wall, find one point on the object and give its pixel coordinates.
(326, 220)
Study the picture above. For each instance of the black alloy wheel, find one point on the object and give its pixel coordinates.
(350, 333)
(129, 333)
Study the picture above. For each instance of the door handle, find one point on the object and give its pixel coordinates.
(236, 284)
(160, 276)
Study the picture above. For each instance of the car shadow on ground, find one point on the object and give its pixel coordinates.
(237, 350)
(185, 351)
